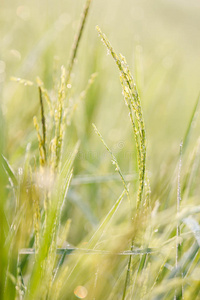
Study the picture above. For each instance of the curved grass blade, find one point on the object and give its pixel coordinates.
(183, 266)
(9, 171)
(189, 128)
(100, 231)
(104, 225)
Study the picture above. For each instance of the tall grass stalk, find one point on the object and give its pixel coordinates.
(77, 39)
(47, 225)
(132, 100)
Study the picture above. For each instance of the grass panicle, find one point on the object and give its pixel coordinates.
(40, 142)
(43, 125)
(77, 39)
(132, 100)
(46, 234)
(59, 112)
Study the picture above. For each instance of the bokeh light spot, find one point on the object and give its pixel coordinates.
(80, 292)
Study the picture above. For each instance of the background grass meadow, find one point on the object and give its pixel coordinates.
(160, 40)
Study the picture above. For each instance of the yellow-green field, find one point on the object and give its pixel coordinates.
(99, 177)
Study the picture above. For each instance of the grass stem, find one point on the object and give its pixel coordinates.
(77, 40)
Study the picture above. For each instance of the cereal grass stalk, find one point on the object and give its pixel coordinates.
(45, 94)
(135, 130)
(43, 124)
(59, 116)
(77, 40)
(132, 100)
(36, 211)
(40, 141)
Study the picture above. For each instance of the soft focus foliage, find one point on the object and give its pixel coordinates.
(110, 218)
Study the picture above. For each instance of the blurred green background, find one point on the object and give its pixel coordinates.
(160, 40)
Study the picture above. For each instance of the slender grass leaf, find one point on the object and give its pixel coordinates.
(104, 225)
(9, 171)
(189, 128)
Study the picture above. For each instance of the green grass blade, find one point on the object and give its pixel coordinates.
(9, 171)
(189, 128)
(105, 223)
(47, 249)
(67, 165)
